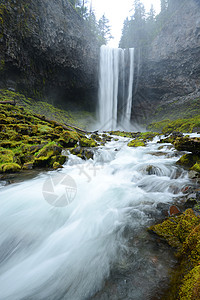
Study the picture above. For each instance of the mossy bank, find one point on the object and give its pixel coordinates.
(183, 233)
(29, 140)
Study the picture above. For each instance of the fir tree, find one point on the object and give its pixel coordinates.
(104, 30)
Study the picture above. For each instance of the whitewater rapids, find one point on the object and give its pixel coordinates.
(68, 252)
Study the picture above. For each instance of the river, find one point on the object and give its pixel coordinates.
(81, 230)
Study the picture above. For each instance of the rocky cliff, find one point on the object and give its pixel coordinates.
(168, 80)
(46, 49)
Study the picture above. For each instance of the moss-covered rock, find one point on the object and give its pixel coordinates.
(69, 139)
(196, 166)
(158, 126)
(10, 168)
(83, 153)
(188, 144)
(188, 160)
(87, 142)
(183, 233)
(137, 143)
(43, 157)
(6, 156)
(56, 165)
(183, 125)
(33, 141)
(190, 288)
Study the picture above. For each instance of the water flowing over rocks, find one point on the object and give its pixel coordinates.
(97, 243)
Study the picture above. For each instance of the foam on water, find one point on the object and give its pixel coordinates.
(67, 253)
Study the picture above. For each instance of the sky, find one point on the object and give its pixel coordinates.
(117, 11)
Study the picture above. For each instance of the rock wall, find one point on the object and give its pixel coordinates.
(47, 50)
(171, 72)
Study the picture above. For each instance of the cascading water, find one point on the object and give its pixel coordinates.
(67, 253)
(115, 91)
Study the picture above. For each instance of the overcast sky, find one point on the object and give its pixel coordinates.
(117, 11)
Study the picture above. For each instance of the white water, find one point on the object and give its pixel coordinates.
(115, 113)
(67, 253)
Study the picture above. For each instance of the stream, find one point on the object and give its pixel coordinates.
(80, 232)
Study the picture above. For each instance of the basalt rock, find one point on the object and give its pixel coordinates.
(167, 82)
(46, 49)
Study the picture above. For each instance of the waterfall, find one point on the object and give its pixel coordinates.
(115, 87)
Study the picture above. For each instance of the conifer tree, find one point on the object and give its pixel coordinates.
(104, 30)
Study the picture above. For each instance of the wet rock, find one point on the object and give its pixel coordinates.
(193, 175)
(158, 153)
(56, 165)
(188, 160)
(177, 134)
(28, 166)
(174, 210)
(188, 144)
(163, 208)
(88, 154)
(86, 142)
(183, 233)
(169, 147)
(83, 153)
(151, 170)
(191, 200)
(186, 189)
(58, 54)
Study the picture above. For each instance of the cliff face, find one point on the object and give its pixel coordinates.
(170, 75)
(46, 49)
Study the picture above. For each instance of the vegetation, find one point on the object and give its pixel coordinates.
(173, 110)
(142, 27)
(100, 28)
(81, 119)
(182, 125)
(28, 140)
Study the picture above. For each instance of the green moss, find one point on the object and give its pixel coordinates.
(32, 141)
(177, 110)
(136, 143)
(44, 128)
(10, 168)
(56, 165)
(86, 142)
(158, 126)
(6, 156)
(48, 150)
(190, 288)
(148, 136)
(122, 133)
(79, 119)
(182, 125)
(188, 160)
(196, 167)
(183, 233)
